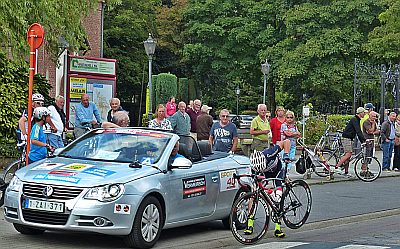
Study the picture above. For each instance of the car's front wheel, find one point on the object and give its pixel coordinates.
(147, 225)
(27, 230)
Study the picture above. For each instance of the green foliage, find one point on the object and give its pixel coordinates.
(183, 90)
(384, 40)
(126, 26)
(192, 90)
(14, 80)
(145, 119)
(166, 87)
(8, 150)
(315, 126)
(154, 82)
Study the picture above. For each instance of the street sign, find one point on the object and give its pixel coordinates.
(36, 32)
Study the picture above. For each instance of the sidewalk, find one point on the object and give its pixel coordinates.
(315, 179)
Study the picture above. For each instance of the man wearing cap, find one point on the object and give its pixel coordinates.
(203, 123)
(369, 107)
(352, 130)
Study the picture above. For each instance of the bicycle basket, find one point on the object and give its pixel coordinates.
(259, 163)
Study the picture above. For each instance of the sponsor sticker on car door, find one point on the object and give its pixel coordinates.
(194, 187)
(227, 180)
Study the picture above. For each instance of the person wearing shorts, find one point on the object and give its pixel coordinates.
(352, 130)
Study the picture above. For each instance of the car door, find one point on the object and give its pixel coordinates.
(192, 193)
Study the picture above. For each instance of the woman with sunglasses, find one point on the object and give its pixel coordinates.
(290, 131)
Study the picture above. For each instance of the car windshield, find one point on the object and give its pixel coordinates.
(120, 145)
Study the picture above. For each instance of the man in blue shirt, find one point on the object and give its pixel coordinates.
(84, 116)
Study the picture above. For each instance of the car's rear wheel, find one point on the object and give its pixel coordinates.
(147, 225)
(27, 230)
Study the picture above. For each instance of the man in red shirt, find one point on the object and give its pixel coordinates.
(276, 123)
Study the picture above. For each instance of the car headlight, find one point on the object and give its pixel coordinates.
(15, 184)
(105, 193)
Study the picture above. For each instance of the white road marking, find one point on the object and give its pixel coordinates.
(362, 246)
(277, 245)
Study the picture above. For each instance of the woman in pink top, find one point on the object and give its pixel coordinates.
(276, 124)
(171, 106)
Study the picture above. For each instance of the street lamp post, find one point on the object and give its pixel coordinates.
(237, 100)
(150, 47)
(265, 70)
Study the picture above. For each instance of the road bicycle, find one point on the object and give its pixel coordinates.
(262, 205)
(11, 169)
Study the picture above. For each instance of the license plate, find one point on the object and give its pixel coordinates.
(44, 205)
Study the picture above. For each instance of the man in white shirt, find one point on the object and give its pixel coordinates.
(54, 136)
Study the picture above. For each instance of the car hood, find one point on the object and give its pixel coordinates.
(82, 173)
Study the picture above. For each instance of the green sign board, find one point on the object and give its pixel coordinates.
(92, 66)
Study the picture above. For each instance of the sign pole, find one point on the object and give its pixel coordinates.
(35, 36)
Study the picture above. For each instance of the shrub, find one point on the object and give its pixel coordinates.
(315, 126)
(183, 90)
(165, 88)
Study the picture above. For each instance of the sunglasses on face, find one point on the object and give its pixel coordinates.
(39, 103)
(224, 116)
(289, 117)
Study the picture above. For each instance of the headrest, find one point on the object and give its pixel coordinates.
(205, 148)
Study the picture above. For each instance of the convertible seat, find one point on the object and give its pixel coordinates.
(205, 148)
(184, 151)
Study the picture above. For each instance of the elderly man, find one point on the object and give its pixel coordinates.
(57, 116)
(260, 129)
(120, 119)
(204, 123)
(180, 121)
(223, 135)
(115, 105)
(84, 116)
(193, 114)
(352, 130)
(388, 133)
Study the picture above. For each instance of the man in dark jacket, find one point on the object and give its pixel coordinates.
(387, 135)
(352, 130)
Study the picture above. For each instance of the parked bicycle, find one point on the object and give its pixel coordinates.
(366, 168)
(259, 206)
(11, 169)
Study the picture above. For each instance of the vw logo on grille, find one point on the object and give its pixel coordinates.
(48, 191)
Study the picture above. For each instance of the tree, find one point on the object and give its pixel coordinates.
(126, 26)
(384, 41)
(310, 45)
(59, 19)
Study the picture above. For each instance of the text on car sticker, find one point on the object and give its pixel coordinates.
(98, 172)
(227, 180)
(77, 166)
(193, 187)
(57, 178)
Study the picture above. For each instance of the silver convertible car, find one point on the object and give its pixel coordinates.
(124, 182)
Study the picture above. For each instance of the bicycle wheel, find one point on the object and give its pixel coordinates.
(296, 204)
(2, 192)
(331, 159)
(239, 218)
(367, 169)
(10, 171)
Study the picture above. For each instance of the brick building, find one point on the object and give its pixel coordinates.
(93, 25)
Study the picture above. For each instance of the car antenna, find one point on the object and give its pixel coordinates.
(136, 164)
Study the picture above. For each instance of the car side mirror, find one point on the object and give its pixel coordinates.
(181, 163)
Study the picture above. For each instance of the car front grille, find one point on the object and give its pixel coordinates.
(59, 192)
(45, 217)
